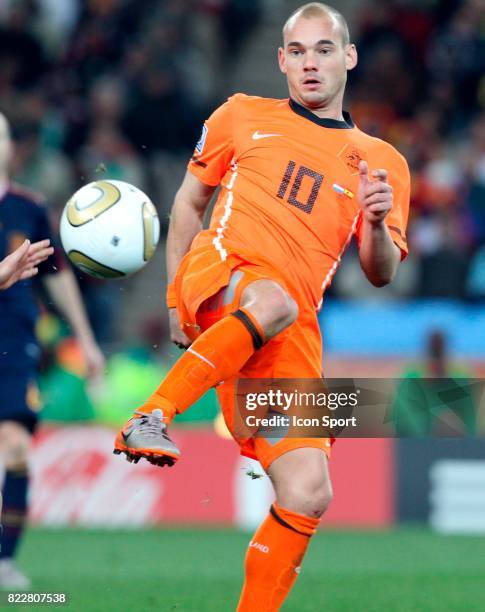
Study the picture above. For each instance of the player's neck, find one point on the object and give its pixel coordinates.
(325, 120)
(331, 111)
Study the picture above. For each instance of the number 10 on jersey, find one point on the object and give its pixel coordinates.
(301, 173)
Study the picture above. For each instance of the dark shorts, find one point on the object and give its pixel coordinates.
(19, 397)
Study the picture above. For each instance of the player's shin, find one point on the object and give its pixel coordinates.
(274, 558)
(218, 354)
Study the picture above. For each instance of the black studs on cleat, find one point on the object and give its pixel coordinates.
(132, 458)
(160, 461)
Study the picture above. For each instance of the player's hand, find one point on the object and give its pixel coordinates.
(177, 336)
(375, 194)
(93, 359)
(23, 262)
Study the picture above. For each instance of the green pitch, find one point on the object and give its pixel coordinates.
(200, 571)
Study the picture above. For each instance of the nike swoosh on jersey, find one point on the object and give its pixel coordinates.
(258, 136)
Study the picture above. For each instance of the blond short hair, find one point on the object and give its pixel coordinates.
(318, 9)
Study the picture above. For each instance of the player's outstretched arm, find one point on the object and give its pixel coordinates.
(379, 256)
(186, 221)
(23, 262)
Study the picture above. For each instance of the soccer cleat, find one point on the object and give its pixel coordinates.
(11, 577)
(145, 436)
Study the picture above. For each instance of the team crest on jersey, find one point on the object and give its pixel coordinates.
(199, 147)
(352, 157)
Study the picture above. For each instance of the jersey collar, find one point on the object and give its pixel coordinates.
(347, 124)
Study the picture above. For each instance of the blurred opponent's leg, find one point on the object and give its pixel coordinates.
(14, 447)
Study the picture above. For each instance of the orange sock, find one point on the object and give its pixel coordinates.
(273, 559)
(216, 355)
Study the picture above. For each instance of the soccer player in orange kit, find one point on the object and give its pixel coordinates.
(298, 180)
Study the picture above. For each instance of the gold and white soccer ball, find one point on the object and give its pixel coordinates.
(109, 229)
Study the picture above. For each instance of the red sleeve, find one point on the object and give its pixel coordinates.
(215, 150)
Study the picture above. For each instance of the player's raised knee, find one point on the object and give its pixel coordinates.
(271, 305)
(283, 308)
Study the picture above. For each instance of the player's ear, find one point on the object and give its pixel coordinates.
(282, 60)
(351, 57)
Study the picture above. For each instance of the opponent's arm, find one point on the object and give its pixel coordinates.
(64, 291)
(186, 221)
(379, 255)
(23, 262)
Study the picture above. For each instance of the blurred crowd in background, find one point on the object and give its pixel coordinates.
(420, 84)
(117, 83)
(120, 88)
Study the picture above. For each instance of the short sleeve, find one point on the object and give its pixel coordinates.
(397, 219)
(215, 149)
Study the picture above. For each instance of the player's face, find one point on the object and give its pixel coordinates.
(5, 144)
(315, 62)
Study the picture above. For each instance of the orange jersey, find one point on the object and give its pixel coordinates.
(289, 187)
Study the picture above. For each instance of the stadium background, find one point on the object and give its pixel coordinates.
(119, 89)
